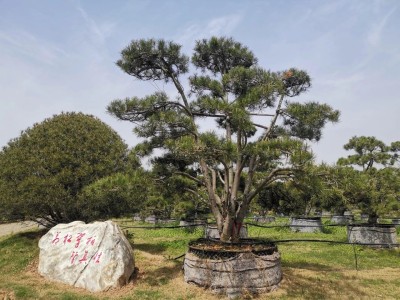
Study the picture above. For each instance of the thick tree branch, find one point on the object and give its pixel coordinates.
(196, 194)
(275, 118)
(278, 173)
(191, 177)
(259, 125)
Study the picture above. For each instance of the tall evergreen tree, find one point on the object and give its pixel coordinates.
(259, 131)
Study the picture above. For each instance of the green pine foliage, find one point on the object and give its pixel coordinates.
(44, 170)
(375, 180)
(258, 134)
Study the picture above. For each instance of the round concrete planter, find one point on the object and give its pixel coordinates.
(211, 231)
(306, 224)
(151, 219)
(396, 222)
(241, 269)
(191, 222)
(326, 214)
(339, 219)
(137, 219)
(264, 219)
(374, 235)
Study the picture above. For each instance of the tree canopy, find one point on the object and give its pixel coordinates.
(369, 151)
(43, 171)
(235, 128)
(375, 186)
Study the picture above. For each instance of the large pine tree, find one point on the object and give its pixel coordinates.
(258, 134)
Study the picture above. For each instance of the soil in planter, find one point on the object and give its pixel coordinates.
(250, 266)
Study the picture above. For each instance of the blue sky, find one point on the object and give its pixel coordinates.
(60, 56)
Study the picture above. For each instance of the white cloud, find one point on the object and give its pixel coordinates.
(28, 45)
(223, 25)
(341, 81)
(220, 26)
(99, 32)
(375, 34)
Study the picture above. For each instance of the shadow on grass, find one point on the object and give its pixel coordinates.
(163, 275)
(33, 235)
(319, 286)
(327, 230)
(22, 239)
(150, 248)
(308, 266)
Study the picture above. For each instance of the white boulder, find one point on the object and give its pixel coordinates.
(94, 256)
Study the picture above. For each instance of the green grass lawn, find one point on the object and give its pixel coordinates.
(311, 270)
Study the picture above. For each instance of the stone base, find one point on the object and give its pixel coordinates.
(339, 219)
(304, 224)
(396, 222)
(377, 235)
(364, 217)
(235, 275)
(264, 219)
(151, 219)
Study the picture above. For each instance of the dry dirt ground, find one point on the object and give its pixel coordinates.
(11, 228)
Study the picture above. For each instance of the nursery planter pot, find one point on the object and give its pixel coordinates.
(211, 231)
(191, 225)
(341, 219)
(306, 224)
(264, 219)
(396, 222)
(374, 235)
(364, 217)
(251, 266)
(151, 219)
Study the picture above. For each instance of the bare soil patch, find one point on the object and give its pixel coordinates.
(11, 228)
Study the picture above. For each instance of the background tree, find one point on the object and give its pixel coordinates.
(335, 185)
(374, 190)
(258, 133)
(395, 150)
(117, 195)
(185, 195)
(369, 151)
(43, 171)
(300, 195)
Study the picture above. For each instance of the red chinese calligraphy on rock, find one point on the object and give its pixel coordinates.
(84, 258)
(74, 255)
(78, 239)
(90, 241)
(56, 239)
(67, 239)
(96, 257)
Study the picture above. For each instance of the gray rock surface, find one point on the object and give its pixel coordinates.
(94, 256)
